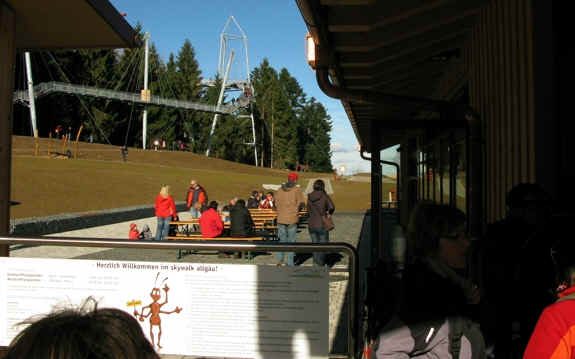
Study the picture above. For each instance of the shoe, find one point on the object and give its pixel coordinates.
(223, 255)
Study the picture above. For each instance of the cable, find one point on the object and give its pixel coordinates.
(81, 101)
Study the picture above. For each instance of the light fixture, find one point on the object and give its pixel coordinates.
(310, 50)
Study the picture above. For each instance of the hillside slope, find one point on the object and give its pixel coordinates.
(100, 180)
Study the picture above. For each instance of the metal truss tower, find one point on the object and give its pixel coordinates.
(237, 80)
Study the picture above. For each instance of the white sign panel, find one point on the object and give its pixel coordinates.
(213, 310)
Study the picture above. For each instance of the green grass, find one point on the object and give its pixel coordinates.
(100, 180)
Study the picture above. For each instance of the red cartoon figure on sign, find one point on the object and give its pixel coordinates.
(155, 309)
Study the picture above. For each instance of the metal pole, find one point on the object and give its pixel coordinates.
(254, 137)
(146, 64)
(31, 100)
(220, 99)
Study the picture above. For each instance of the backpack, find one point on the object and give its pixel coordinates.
(423, 333)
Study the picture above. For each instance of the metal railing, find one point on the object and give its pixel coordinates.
(47, 88)
(352, 325)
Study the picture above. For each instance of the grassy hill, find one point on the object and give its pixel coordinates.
(100, 180)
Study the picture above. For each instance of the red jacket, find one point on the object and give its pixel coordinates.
(211, 223)
(165, 206)
(267, 204)
(554, 334)
(134, 234)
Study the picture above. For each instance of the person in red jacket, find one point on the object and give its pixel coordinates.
(134, 233)
(268, 202)
(165, 209)
(554, 334)
(211, 223)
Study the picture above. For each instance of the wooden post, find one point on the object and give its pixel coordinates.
(64, 143)
(36, 144)
(7, 56)
(77, 140)
(50, 143)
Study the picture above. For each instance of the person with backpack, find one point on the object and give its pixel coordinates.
(319, 206)
(554, 334)
(439, 304)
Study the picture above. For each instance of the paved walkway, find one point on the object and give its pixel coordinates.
(348, 227)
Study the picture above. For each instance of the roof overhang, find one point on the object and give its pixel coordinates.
(70, 24)
(390, 50)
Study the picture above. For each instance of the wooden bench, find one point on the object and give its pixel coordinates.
(199, 237)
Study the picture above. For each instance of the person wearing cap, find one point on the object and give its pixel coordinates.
(288, 200)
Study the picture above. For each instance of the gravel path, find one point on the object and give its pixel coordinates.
(347, 230)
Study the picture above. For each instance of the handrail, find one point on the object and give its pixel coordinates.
(389, 163)
(46, 88)
(352, 327)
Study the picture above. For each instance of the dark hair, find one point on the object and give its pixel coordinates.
(241, 203)
(428, 223)
(319, 185)
(255, 193)
(270, 193)
(87, 332)
(516, 197)
(213, 204)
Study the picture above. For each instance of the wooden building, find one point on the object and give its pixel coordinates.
(475, 93)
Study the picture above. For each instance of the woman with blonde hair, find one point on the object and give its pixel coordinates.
(165, 209)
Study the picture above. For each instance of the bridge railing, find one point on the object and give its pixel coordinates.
(47, 88)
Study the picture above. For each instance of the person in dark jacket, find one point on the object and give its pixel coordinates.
(253, 201)
(516, 255)
(319, 205)
(241, 220)
(436, 290)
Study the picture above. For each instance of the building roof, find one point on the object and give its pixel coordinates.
(384, 50)
(70, 24)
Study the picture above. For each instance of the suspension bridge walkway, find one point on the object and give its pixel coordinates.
(47, 88)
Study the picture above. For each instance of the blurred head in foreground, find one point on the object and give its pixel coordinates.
(86, 332)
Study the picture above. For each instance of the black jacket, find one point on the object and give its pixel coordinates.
(253, 202)
(241, 221)
(318, 205)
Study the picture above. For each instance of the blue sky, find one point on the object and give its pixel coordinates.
(275, 30)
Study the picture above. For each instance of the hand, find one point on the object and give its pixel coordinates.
(166, 288)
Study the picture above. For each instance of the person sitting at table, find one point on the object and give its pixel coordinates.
(253, 201)
(211, 223)
(241, 220)
(228, 207)
(268, 202)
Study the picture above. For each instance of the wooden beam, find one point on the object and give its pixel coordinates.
(7, 55)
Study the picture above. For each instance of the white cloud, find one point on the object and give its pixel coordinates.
(353, 162)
